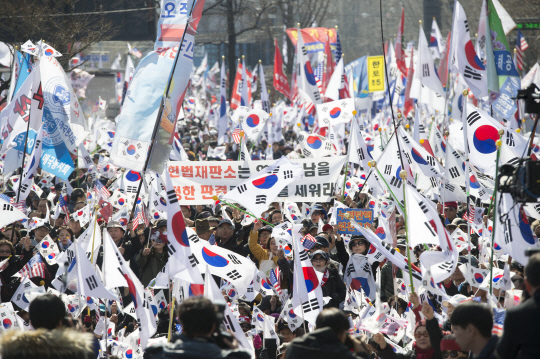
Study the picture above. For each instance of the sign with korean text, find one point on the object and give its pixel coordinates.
(363, 217)
(198, 182)
(314, 38)
(375, 66)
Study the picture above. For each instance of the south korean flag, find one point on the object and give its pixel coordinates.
(336, 112)
(261, 189)
(253, 121)
(132, 150)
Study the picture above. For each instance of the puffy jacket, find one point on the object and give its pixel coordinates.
(259, 252)
(150, 265)
(320, 344)
(193, 348)
(334, 287)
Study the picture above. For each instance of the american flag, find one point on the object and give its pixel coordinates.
(101, 190)
(521, 45)
(63, 202)
(274, 279)
(308, 241)
(34, 268)
(498, 321)
(135, 52)
(145, 216)
(138, 218)
(237, 134)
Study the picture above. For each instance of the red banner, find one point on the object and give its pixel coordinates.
(314, 38)
(280, 80)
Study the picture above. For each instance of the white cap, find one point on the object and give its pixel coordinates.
(455, 300)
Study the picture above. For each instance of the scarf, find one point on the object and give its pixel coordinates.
(423, 353)
(325, 277)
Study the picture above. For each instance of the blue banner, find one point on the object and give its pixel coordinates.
(504, 105)
(55, 156)
(364, 217)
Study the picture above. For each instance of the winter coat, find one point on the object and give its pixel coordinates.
(320, 344)
(42, 343)
(150, 265)
(334, 287)
(193, 348)
(259, 252)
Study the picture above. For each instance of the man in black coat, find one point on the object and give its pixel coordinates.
(520, 336)
(331, 339)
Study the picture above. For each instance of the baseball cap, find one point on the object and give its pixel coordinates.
(322, 241)
(455, 300)
(266, 228)
(321, 252)
(225, 221)
(161, 223)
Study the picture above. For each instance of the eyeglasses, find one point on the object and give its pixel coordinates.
(421, 334)
(453, 354)
(357, 243)
(5, 252)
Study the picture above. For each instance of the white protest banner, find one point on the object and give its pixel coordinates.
(197, 182)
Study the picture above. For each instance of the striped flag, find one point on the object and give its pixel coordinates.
(308, 241)
(237, 134)
(274, 280)
(521, 45)
(137, 218)
(63, 202)
(498, 321)
(101, 190)
(34, 268)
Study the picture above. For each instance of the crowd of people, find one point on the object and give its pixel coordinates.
(458, 326)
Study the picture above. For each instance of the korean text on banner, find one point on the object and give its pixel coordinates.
(375, 65)
(197, 182)
(363, 217)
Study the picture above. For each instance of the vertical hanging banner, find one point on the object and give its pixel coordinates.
(375, 65)
(172, 22)
(145, 93)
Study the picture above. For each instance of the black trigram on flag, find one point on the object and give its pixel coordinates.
(303, 255)
(8, 207)
(454, 172)
(234, 275)
(242, 188)
(473, 117)
(360, 152)
(396, 182)
(387, 169)
(310, 305)
(287, 174)
(510, 139)
(425, 70)
(471, 73)
(423, 207)
(260, 199)
(171, 195)
(92, 283)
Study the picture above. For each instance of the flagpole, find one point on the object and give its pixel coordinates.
(373, 164)
(345, 179)
(94, 235)
(403, 176)
(498, 143)
(161, 107)
(171, 317)
(467, 183)
(216, 198)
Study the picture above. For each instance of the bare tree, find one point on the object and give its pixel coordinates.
(303, 12)
(227, 20)
(60, 23)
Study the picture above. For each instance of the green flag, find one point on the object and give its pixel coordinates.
(504, 63)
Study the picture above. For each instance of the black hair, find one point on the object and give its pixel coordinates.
(532, 270)
(197, 315)
(46, 311)
(477, 314)
(333, 318)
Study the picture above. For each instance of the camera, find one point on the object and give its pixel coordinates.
(531, 96)
(220, 333)
(521, 180)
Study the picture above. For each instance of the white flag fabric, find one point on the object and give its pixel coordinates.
(421, 159)
(180, 240)
(89, 283)
(463, 55)
(513, 232)
(315, 146)
(335, 112)
(304, 72)
(357, 274)
(253, 121)
(30, 168)
(48, 250)
(358, 151)
(9, 214)
(260, 190)
(335, 83)
(424, 74)
(25, 287)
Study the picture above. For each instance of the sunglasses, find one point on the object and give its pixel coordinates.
(450, 209)
(452, 354)
(357, 243)
(421, 334)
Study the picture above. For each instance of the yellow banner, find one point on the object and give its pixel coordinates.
(375, 69)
